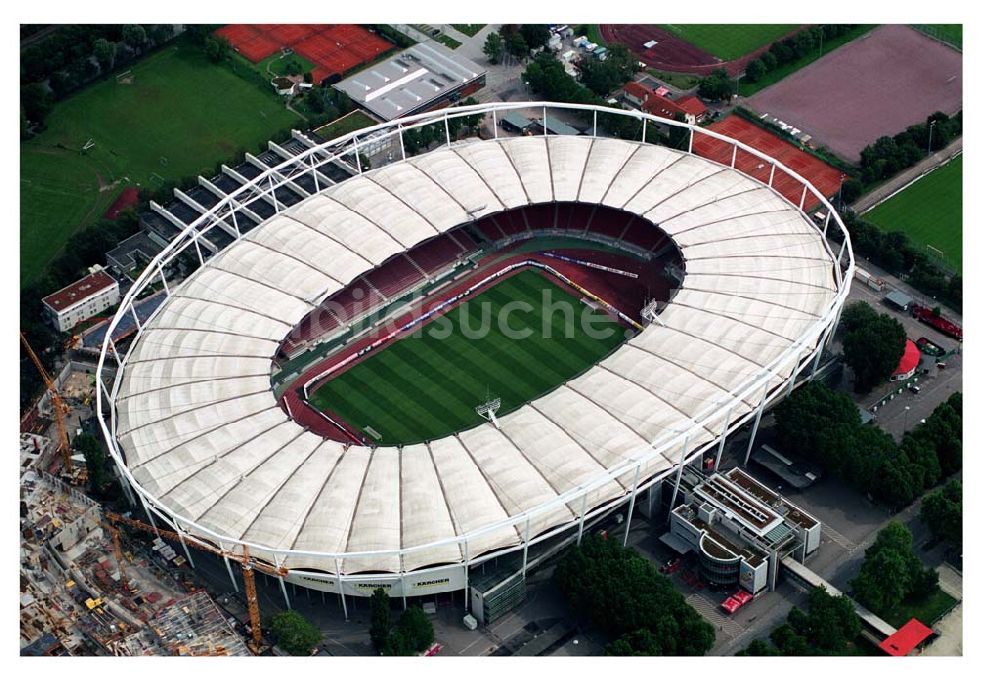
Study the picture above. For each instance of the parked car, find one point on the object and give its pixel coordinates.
(731, 604)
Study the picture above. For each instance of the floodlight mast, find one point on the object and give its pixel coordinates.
(488, 410)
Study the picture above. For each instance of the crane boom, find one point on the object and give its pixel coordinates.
(59, 407)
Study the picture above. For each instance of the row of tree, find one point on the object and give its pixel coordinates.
(547, 78)
(892, 572)
(515, 39)
(623, 595)
(896, 253)
(889, 155)
(829, 628)
(825, 426)
(412, 634)
(74, 55)
(941, 511)
(873, 344)
(793, 48)
(418, 138)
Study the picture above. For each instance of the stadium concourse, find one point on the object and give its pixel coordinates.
(202, 432)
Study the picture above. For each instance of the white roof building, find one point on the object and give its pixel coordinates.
(202, 432)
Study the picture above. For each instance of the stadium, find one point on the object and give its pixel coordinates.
(290, 396)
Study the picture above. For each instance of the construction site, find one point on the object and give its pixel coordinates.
(95, 582)
(90, 588)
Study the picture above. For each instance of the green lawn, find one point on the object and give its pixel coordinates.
(424, 386)
(950, 33)
(278, 63)
(929, 211)
(448, 42)
(352, 121)
(729, 41)
(781, 72)
(678, 80)
(926, 610)
(180, 116)
(468, 29)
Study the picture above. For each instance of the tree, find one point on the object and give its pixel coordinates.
(717, 87)
(36, 102)
(398, 644)
(872, 349)
(293, 633)
(623, 595)
(827, 629)
(415, 625)
(638, 643)
(535, 35)
(215, 47)
(517, 46)
(677, 137)
(104, 51)
(134, 36)
(381, 619)
(891, 571)
(755, 70)
(493, 47)
(850, 190)
(96, 459)
(941, 511)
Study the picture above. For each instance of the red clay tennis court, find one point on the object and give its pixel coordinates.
(333, 49)
(824, 178)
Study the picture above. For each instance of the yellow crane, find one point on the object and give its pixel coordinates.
(247, 564)
(59, 408)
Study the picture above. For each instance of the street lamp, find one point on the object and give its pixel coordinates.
(906, 411)
(930, 128)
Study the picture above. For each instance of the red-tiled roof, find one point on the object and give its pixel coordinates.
(910, 359)
(655, 104)
(81, 289)
(692, 104)
(906, 639)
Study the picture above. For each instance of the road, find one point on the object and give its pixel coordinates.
(873, 197)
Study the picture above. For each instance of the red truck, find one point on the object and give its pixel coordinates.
(927, 316)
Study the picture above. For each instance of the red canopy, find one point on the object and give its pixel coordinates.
(910, 359)
(906, 639)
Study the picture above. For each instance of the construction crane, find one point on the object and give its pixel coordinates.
(247, 564)
(59, 408)
(116, 540)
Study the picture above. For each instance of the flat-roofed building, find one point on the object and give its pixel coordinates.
(423, 77)
(83, 299)
(740, 529)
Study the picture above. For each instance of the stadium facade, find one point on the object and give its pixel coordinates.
(203, 440)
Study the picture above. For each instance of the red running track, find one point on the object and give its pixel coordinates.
(671, 53)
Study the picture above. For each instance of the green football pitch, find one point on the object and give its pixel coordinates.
(424, 387)
(178, 117)
(729, 41)
(929, 211)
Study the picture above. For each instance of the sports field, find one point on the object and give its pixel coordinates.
(424, 387)
(729, 41)
(929, 211)
(179, 116)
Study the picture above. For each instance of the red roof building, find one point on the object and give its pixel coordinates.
(648, 101)
(83, 299)
(908, 363)
(906, 639)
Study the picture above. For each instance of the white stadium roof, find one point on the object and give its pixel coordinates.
(203, 435)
